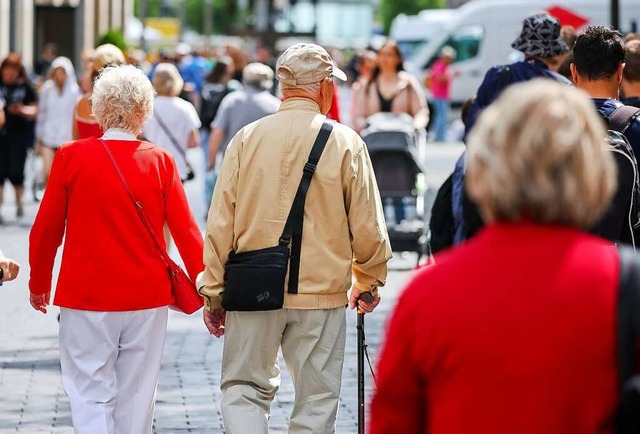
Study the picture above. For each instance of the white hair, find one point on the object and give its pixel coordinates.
(122, 98)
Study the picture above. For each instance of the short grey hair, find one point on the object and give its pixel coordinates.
(552, 168)
(167, 80)
(122, 98)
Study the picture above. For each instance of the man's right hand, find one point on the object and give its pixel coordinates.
(214, 320)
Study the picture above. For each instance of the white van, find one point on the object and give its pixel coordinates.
(414, 32)
(482, 32)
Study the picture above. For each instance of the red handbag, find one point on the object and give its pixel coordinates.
(185, 295)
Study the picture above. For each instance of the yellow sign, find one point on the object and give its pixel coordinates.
(168, 27)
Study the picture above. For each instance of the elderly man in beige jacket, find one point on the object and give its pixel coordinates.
(344, 245)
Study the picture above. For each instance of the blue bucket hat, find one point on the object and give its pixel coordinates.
(540, 37)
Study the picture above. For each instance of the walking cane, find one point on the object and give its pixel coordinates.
(362, 348)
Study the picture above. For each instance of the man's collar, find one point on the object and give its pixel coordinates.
(300, 103)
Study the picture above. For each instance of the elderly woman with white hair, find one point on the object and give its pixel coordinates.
(113, 289)
(515, 329)
(175, 123)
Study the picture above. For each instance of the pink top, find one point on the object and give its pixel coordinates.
(441, 89)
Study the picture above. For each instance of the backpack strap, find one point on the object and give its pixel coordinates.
(622, 117)
(628, 323)
(628, 336)
(292, 232)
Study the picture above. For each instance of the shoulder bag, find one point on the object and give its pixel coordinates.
(628, 338)
(255, 280)
(185, 296)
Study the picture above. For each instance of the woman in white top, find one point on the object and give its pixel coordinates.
(58, 98)
(175, 123)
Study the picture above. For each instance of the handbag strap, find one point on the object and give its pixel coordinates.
(138, 206)
(172, 138)
(292, 232)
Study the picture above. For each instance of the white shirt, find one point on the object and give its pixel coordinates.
(119, 134)
(180, 119)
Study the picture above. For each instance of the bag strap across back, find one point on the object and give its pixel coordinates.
(143, 218)
(172, 138)
(292, 232)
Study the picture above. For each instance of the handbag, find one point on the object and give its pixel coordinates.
(190, 173)
(255, 280)
(185, 295)
(628, 337)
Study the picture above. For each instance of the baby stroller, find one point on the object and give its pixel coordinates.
(393, 146)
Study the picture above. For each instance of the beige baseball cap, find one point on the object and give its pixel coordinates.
(306, 64)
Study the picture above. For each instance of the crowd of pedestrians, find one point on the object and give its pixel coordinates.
(296, 231)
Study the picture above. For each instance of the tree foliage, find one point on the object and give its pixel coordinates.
(389, 9)
(224, 12)
(114, 37)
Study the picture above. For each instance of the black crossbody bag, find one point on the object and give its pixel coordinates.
(628, 338)
(255, 280)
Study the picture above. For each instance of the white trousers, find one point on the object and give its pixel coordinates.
(312, 344)
(110, 367)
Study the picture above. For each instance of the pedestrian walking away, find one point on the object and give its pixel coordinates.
(112, 331)
(544, 48)
(243, 107)
(509, 342)
(597, 68)
(85, 124)
(18, 134)
(58, 98)
(175, 124)
(343, 234)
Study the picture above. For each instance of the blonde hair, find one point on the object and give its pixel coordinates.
(122, 98)
(167, 80)
(538, 154)
(106, 55)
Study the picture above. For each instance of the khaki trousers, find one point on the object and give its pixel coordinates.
(313, 343)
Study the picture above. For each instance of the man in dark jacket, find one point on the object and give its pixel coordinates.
(597, 68)
(544, 49)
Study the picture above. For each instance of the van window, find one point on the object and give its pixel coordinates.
(465, 40)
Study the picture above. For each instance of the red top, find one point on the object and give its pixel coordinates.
(334, 111)
(440, 89)
(109, 261)
(88, 129)
(514, 332)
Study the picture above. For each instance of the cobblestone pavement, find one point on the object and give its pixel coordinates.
(31, 395)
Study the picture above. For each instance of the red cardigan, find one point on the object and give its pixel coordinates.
(512, 333)
(109, 261)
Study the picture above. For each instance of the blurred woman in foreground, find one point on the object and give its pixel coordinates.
(514, 331)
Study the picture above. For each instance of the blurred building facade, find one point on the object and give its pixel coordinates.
(73, 25)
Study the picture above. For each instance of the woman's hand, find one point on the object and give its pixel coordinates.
(10, 269)
(40, 302)
(214, 320)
